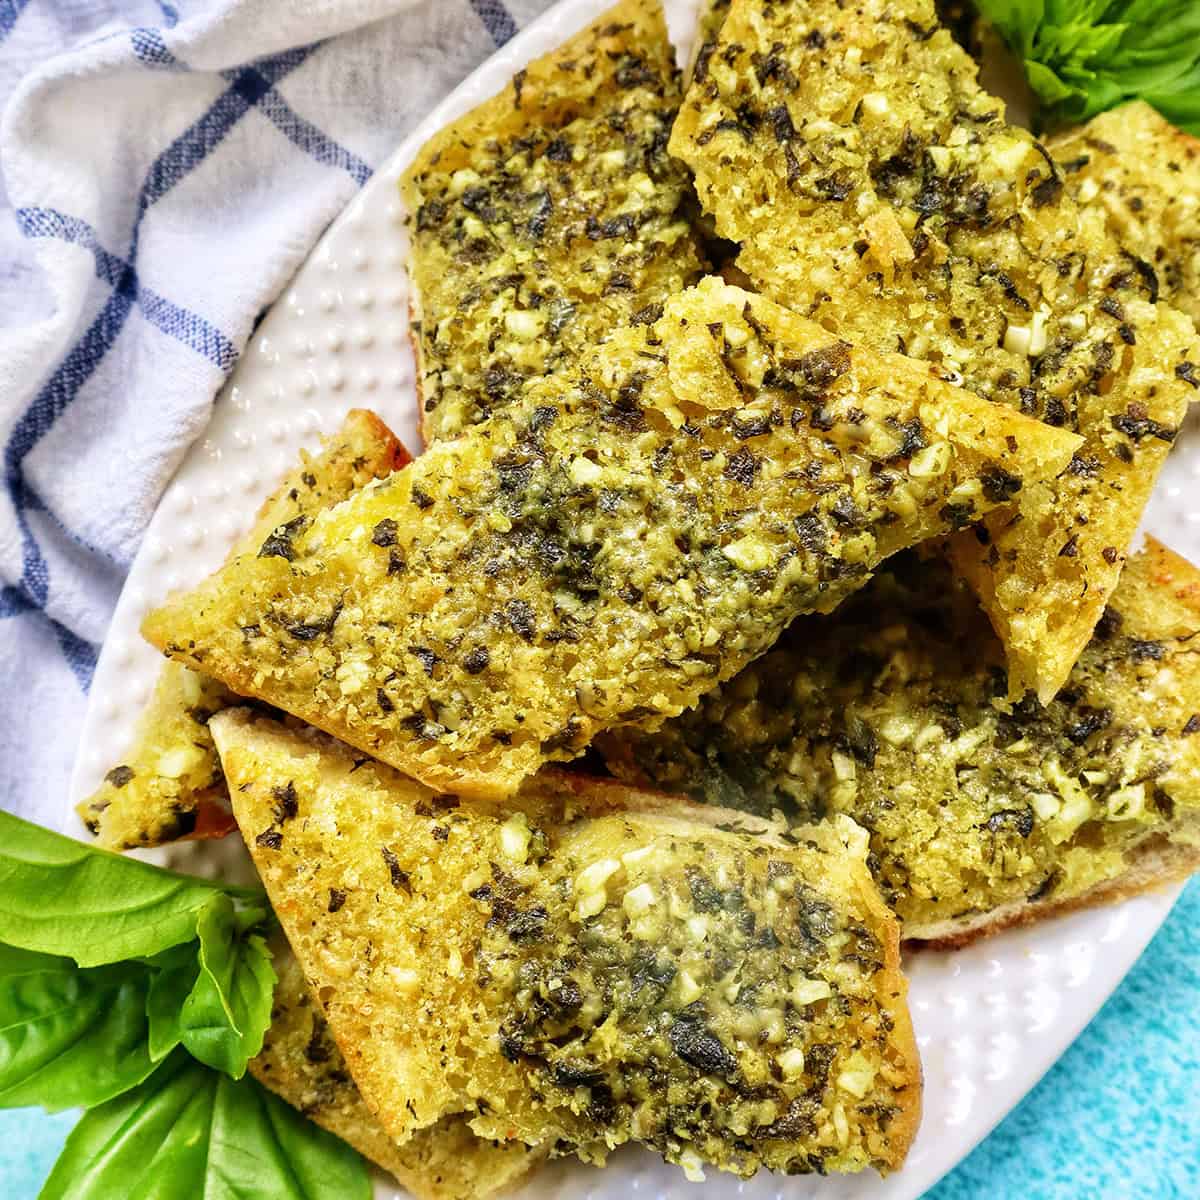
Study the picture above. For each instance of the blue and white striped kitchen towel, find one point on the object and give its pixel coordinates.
(166, 166)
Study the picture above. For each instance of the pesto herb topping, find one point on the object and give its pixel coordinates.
(892, 711)
(547, 218)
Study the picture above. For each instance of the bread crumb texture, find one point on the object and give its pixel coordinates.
(876, 188)
(893, 711)
(1144, 175)
(586, 965)
(608, 549)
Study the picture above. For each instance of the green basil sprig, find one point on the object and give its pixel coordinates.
(224, 1017)
(1085, 56)
(140, 995)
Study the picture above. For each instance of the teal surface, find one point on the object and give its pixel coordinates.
(1118, 1117)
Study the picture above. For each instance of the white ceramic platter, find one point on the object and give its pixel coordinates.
(990, 1020)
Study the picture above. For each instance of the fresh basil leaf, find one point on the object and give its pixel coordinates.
(1018, 21)
(225, 1017)
(1062, 12)
(149, 1144)
(60, 897)
(1047, 86)
(69, 1037)
(187, 1132)
(287, 1158)
(1085, 56)
(1181, 102)
(173, 980)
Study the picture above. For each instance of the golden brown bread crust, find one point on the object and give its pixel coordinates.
(361, 449)
(301, 1063)
(1179, 581)
(422, 986)
(907, 1120)
(414, 345)
(1156, 865)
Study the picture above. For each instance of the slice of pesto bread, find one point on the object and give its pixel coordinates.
(610, 547)
(1144, 175)
(169, 785)
(585, 965)
(301, 1063)
(875, 187)
(982, 813)
(547, 217)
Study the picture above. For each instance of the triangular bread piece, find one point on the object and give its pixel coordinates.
(610, 548)
(301, 1063)
(169, 784)
(875, 187)
(586, 965)
(547, 217)
(982, 814)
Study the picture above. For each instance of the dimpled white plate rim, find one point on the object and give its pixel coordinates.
(990, 1020)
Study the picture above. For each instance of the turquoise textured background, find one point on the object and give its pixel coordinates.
(1118, 1117)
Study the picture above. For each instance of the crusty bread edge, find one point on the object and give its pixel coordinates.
(373, 1144)
(1155, 864)
(414, 342)
(393, 455)
(1173, 571)
(891, 986)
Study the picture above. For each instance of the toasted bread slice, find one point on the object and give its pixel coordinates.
(586, 965)
(169, 786)
(547, 217)
(609, 548)
(982, 814)
(301, 1063)
(1144, 175)
(875, 187)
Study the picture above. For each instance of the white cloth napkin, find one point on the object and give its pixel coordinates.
(166, 167)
